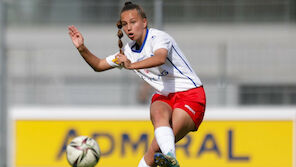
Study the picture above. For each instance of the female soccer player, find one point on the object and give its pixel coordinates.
(179, 104)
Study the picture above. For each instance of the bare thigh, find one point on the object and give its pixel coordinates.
(182, 123)
(160, 114)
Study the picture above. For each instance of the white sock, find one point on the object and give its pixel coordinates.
(165, 139)
(143, 163)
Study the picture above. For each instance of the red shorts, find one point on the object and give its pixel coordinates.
(193, 101)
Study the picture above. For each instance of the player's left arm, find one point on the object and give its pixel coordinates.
(158, 59)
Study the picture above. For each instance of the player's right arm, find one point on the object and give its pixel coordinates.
(96, 63)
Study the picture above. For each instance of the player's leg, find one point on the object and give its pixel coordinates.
(160, 115)
(182, 125)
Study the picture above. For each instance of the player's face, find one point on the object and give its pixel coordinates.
(134, 25)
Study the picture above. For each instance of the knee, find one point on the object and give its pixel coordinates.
(159, 115)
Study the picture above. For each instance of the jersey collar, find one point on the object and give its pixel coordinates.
(143, 44)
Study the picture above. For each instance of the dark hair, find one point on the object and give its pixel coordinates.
(130, 6)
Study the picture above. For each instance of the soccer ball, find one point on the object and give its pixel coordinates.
(83, 151)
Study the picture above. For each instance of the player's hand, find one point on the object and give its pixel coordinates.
(76, 37)
(123, 60)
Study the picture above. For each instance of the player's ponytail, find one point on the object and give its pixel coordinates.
(120, 35)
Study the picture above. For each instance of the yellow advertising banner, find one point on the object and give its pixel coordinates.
(123, 143)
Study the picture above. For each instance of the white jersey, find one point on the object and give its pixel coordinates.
(174, 76)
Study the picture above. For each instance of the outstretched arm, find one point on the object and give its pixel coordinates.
(96, 63)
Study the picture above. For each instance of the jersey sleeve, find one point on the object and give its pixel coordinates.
(161, 41)
(110, 60)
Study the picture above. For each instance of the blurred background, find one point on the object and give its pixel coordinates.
(244, 51)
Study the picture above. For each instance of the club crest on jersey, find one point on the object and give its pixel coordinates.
(164, 73)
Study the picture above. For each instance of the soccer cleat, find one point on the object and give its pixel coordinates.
(163, 160)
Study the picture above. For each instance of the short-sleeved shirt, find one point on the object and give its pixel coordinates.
(174, 75)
